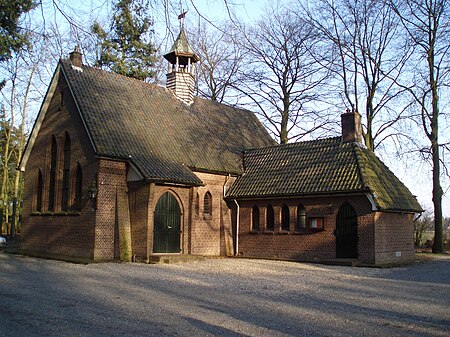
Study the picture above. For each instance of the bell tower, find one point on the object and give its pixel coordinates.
(180, 73)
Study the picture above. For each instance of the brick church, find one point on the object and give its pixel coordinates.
(119, 169)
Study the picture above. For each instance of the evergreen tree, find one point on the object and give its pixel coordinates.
(11, 36)
(126, 49)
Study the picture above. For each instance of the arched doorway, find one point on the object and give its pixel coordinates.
(346, 232)
(166, 230)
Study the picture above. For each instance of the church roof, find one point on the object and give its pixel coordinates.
(164, 138)
(319, 167)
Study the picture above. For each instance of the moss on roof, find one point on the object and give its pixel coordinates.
(325, 166)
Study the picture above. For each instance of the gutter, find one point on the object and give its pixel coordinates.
(237, 228)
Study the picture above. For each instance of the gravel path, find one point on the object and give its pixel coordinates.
(226, 297)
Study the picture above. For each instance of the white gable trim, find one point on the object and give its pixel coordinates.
(371, 199)
(40, 118)
(43, 111)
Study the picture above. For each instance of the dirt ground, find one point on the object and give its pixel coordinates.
(222, 297)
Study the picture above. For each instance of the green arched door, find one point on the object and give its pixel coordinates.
(346, 232)
(166, 230)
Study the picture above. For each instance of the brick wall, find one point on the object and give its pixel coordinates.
(394, 241)
(300, 245)
(55, 232)
(112, 228)
(211, 234)
(138, 194)
(200, 234)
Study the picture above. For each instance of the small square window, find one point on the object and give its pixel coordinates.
(316, 223)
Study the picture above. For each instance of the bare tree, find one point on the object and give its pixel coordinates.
(220, 61)
(421, 225)
(281, 79)
(426, 26)
(23, 88)
(359, 42)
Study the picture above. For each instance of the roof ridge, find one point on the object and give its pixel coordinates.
(327, 142)
(67, 63)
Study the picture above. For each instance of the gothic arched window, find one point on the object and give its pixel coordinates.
(207, 204)
(52, 180)
(66, 175)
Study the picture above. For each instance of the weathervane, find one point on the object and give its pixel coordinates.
(182, 15)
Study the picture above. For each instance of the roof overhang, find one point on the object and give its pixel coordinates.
(298, 195)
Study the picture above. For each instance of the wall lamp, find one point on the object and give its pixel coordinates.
(92, 194)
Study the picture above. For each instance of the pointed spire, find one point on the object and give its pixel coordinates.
(180, 74)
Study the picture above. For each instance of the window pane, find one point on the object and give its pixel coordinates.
(255, 218)
(207, 207)
(285, 218)
(197, 204)
(316, 223)
(78, 187)
(301, 217)
(270, 218)
(51, 188)
(39, 193)
(66, 172)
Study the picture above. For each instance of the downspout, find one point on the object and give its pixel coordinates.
(237, 227)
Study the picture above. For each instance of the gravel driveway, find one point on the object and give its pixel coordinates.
(227, 297)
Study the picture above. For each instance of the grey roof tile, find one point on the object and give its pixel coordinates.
(324, 166)
(163, 137)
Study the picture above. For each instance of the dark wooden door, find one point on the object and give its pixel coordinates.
(346, 232)
(167, 218)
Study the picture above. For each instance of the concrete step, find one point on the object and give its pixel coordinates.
(175, 258)
(342, 262)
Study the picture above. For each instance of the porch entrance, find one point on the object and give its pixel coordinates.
(166, 230)
(346, 232)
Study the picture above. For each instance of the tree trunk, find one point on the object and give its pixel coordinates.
(438, 244)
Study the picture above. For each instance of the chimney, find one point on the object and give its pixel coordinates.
(351, 127)
(76, 57)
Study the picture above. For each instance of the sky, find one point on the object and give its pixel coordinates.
(413, 172)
